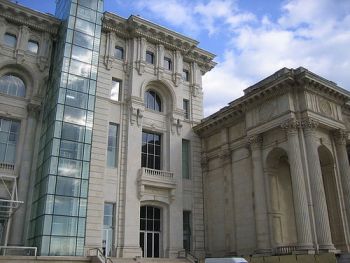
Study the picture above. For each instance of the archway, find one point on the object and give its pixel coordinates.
(282, 216)
(332, 197)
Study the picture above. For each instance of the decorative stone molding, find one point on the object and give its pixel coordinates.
(340, 136)
(136, 115)
(140, 66)
(225, 154)
(33, 109)
(291, 125)
(175, 125)
(309, 124)
(195, 89)
(204, 161)
(255, 141)
(177, 79)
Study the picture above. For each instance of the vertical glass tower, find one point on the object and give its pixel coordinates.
(61, 187)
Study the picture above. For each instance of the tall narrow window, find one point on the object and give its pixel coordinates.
(186, 75)
(33, 46)
(9, 131)
(119, 53)
(10, 40)
(108, 229)
(187, 230)
(112, 150)
(167, 63)
(186, 159)
(149, 57)
(151, 146)
(116, 89)
(186, 107)
(153, 101)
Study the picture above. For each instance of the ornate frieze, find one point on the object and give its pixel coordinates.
(255, 141)
(291, 125)
(309, 124)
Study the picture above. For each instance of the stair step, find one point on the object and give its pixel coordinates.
(150, 260)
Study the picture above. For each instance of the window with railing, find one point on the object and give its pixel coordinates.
(151, 150)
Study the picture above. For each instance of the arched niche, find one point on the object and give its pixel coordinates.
(282, 214)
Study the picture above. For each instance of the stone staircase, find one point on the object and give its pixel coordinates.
(150, 260)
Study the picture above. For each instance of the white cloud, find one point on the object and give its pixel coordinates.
(313, 34)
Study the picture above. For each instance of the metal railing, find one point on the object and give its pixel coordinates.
(157, 173)
(96, 252)
(18, 251)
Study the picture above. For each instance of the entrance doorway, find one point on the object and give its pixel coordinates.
(150, 231)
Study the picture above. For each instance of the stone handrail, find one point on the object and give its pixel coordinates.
(285, 250)
(7, 166)
(157, 173)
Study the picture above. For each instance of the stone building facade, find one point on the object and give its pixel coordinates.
(97, 147)
(276, 169)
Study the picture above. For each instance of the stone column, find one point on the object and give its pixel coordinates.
(230, 242)
(17, 236)
(323, 230)
(340, 137)
(260, 208)
(302, 217)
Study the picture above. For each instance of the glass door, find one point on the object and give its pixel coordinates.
(150, 231)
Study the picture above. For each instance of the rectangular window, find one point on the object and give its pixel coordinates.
(186, 159)
(112, 149)
(186, 108)
(116, 89)
(108, 228)
(149, 57)
(119, 53)
(167, 63)
(187, 230)
(9, 133)
(186, 75)
(33, 46)
(150, 152)
(10, 40)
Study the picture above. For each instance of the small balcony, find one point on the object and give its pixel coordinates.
(159, 179)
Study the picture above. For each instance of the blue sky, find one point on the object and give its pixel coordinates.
(251, 38)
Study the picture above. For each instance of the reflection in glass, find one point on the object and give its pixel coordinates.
(9, 132)
(153, 101)
(74, 115)
(83, 40)
(64, 226)
(76, 99)
(67, 206)
(12, 85)
(112, 145)
(33, 46)
(67, 167)
(80, 68)
(10, 40)
(62, 246)
(85, 26)
(67, 186)
(81, 54)
(72, 150)
(115, 90)
(73, 132)
(77, 83)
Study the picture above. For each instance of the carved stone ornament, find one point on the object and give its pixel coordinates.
(136, 116)
(255, 141)
(325, 107)
(340, 136)
(177, 79)
(225, 154)
(291, 125)
(309, 124)
(267, 110)
(33, 109)
(140, 66)
(195, 90)
(175, 125)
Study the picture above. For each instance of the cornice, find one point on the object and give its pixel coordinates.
(136, 26)
(21, 15)
(278, 83)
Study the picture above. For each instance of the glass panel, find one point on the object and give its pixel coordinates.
(83, 40)
(78, 84)
(88, 3)
(74, 115)
(185, 159)
(81, 54)
(66, 206)
(85, 26)
(149, 57)
(67, 186)
(76, 99)
(142, 243)
(64, 226)
(149, 245)
(12, 85)
(115, 90)
(73, 132)
(80, 68)
(62, 246)
(86, 14)
(33, 46)
(112, 145)
(72, 150)
(119, 53)
(68, 167)
(156, 245)
(10, 40)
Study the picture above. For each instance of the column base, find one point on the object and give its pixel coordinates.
(326, 248)
(263, 252)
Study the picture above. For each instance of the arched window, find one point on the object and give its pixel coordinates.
(12, 85)
(153, 101)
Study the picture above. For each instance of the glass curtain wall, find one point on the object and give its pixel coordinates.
(61, 186)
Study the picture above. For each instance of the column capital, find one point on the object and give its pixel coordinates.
(33, 109)
(225, 153)
(255, 141)
(204, 161)
(340, 136)
(309, 124)
(291, 125)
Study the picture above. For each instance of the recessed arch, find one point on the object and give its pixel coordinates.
(282, 214)
(24, 72)
(165, 91)
(12, 85)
